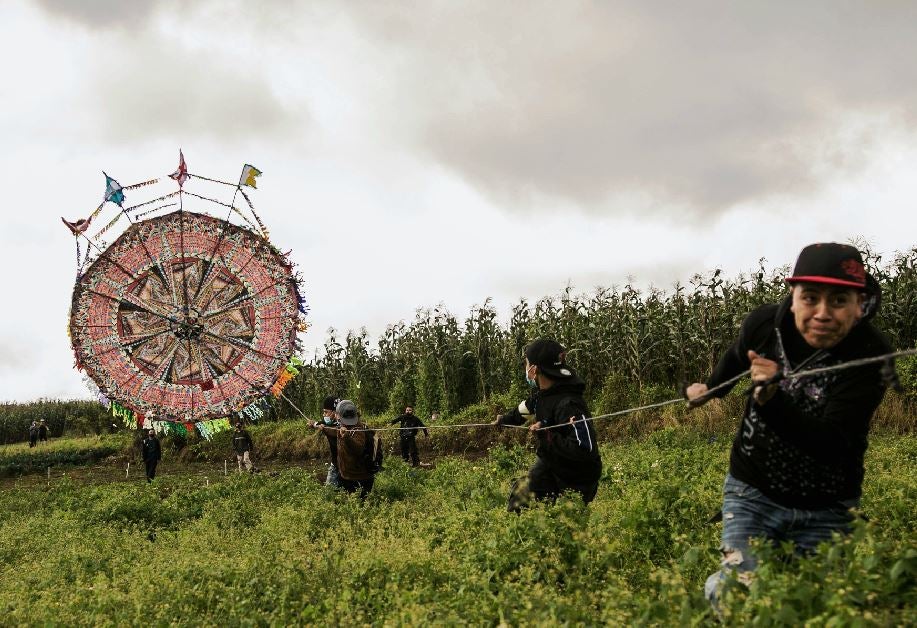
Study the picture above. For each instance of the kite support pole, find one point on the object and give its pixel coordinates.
(225, 467)
(127, 471)
(49, 476)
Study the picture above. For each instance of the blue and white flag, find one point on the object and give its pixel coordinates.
(113, 191)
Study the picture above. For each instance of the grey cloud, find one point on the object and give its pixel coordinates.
(149, 88)
(147, 83)
(101, 14)
(702, 104)
(12, 355)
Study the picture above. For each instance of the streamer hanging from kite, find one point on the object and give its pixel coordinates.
(184, 317)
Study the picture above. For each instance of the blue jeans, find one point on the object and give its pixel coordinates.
(748, 514)
(333, 478)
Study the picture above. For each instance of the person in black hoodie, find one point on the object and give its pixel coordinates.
(151, 453)
(567, 453)
(796, 465)
(410, 425)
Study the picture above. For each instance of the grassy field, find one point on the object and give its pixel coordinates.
(435, 546)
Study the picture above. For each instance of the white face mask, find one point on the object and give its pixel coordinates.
(531, 381)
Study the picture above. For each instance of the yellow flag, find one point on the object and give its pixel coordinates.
(249, 173)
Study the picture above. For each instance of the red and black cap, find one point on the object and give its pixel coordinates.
(830, 263)
(550, 358)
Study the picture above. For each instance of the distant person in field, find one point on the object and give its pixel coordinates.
(329, 419)
(355, 444)
(243, 446)
(410, 424)
(796, 466)
(568, 453)
(33, 433)
(42, 431)
(151, 451)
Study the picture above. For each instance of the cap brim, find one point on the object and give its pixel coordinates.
(831, 281)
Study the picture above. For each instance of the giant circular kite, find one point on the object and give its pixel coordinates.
(184, 316)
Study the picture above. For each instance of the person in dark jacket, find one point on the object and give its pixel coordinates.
(410, 424)
(567, 453)
(354, 441)
(329, 419)
(243, 446)
(33, 434)
(152, 453)
(42, 431)
(796, 465)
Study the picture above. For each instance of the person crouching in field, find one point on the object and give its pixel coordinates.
(567, 452)
(353, 441)
(243, 446)
(796, 465)
(151, 452)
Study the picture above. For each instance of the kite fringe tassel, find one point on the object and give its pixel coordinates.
(155, 209)
(107, 227)
(142, 184)
(155, 200)
(288, 372)
(264, 231)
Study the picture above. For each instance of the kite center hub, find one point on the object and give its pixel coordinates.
(187, 325)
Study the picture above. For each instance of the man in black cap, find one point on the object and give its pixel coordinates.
(567, 451)
(796, 465)
(329, 419)
(151, 452)
(410, 423)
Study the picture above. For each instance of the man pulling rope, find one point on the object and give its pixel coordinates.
(796, 465)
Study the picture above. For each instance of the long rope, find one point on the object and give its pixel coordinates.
(792, 375)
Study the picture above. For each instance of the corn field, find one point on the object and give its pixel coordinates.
(629, 345)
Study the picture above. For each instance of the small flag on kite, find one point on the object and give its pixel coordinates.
(113, 191)
(78, 226)
(249, 173)
(181, 175)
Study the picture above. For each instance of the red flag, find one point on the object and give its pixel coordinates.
(181, 175)
(79, 226)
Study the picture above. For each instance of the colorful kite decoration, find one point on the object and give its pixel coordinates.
(185, 317)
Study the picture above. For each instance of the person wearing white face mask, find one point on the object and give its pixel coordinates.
(568, 450)
(329, 419)
(796, 466)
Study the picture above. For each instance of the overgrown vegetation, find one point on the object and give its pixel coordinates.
(74, 417)
(437, 547)
(20, 459)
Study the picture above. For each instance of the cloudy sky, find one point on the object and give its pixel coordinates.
(417, 153)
